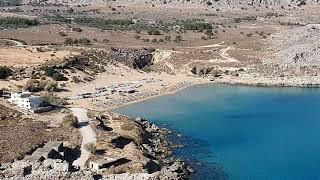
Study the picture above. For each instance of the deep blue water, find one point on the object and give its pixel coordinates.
(242, 133)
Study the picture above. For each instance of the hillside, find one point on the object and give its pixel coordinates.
(213, 3)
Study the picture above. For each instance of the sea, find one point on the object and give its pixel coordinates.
(239, 132)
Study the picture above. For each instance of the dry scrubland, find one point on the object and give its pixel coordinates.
(64, 50)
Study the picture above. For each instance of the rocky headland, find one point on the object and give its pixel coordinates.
(155, 147)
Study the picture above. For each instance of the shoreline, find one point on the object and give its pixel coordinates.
(223, 82)
(155, 96)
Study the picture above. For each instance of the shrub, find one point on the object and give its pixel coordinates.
(103, 23)
(153, 31)
(16, 22)
(137, 37)
(70, 120)
(178, 38)
(75, 79)
(68, 41)
(105, 40)
(51, 86)
(32, 85)
(63, 34)
(84, 41)
(54, 100)
(5, 72)
(167, 38)
(57, 76)
(209, 32)
(194, 70)
(195, 25)
(76, 29)
(50, 71)
(91, 147)
(138, 31)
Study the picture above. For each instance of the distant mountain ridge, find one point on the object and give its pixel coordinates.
(214, 3)
(224, 2)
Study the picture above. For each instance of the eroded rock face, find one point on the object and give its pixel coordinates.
(135, 58)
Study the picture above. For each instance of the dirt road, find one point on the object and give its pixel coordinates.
(88, 135)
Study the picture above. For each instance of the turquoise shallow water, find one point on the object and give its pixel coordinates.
(242, 133)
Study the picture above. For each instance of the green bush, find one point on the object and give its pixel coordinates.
(167, 38)
(70, 120)
(54, 100)
(75, 79)
(153, 31)
(107, 24)
(5, 72)
(16, 22)
(51, 71)
(178, 38)
(84, 41)
(209, 32)
(91, 147)
(195, 25)
(62, 33)
(34, 85)
(137, 37)
(68, 41)
(50, 86)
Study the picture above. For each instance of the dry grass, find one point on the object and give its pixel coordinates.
(26, 57)
(19, 137)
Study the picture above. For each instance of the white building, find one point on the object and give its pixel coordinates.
(25, 100)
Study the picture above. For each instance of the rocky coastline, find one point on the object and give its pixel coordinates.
(302, 82)
(158, 149)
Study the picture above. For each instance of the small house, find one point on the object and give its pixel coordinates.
(26, 101)
(106, 162)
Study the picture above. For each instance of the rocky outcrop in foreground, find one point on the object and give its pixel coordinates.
(158, 147)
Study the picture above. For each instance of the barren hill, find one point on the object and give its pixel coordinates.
(214, 3)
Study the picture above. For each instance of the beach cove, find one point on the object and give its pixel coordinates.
(236, 132)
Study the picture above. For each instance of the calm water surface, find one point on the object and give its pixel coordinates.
(242, 133)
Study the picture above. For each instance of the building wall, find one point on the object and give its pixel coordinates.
(25, 103)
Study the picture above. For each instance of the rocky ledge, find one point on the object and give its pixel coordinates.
(158, 148)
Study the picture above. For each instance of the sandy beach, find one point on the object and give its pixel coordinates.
(154, 85)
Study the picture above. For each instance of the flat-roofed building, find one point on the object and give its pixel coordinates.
(26, 101)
